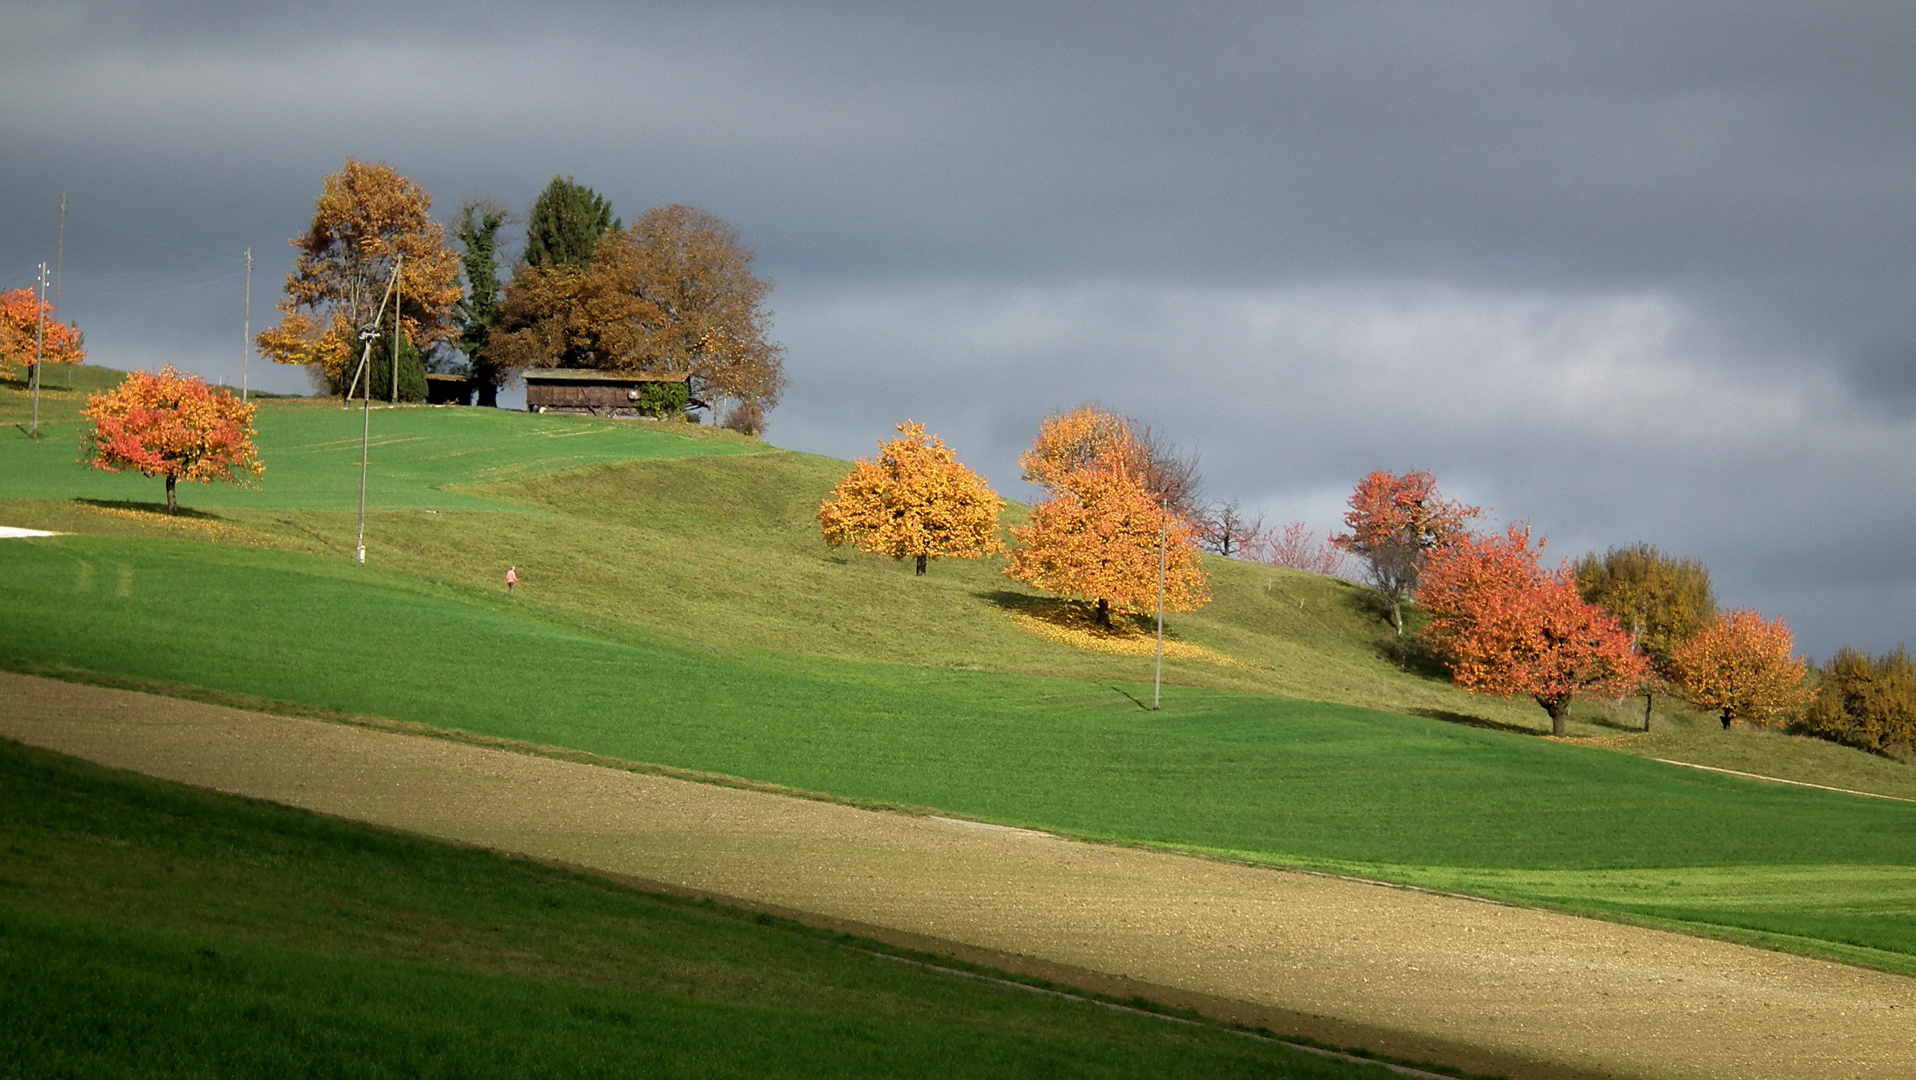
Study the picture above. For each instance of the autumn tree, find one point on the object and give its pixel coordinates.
(22, 330)
(1069, 442)
(674, 293)
(1743, 668)
(367, 218)
(1096, 539)
(565, 223)
(172, 426)
(1662, 601)
(1297, 547)
(1867, 702)
(1507, 626)
(478, 232)
(915, 501)
(1395, 523)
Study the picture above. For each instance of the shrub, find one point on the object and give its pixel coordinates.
(1868, 703)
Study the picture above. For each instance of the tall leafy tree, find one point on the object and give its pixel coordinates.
(367, 217)
(1096, 539)
(478, 232)
(172, 426)
(674, 293)
(1507, 626)
(917, 500)
(1395, 523)
(1662, 601)
(1744, 669)
(565, 223)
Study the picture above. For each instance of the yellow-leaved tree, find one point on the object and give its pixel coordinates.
(916, 500)
(1744, 669)
(1096, 539)
(366, 219)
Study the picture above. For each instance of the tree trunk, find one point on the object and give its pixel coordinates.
(488, 394)
(1397, 615)
(1104, 614)
(1559, 709)
(173, 505)
(1648, 697)
(921, 567)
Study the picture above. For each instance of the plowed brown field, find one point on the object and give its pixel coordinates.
(1473, 984)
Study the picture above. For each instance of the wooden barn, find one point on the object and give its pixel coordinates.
(606, 393)
(451, 389)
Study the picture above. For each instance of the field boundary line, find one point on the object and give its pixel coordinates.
(1400, 1070)
(1780, 780)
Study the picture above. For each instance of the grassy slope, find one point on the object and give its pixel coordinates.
(683, 611)
(152, 930)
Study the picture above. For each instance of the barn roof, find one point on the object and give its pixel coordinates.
(590, 375)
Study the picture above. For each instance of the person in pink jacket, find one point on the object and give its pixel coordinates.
(512, 578)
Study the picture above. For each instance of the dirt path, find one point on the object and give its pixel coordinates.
(1473, 984)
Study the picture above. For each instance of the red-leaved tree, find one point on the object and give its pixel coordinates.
(171, 425)
(1507, 626)
(1395, 523)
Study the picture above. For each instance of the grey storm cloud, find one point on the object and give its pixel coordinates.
(1629, 271)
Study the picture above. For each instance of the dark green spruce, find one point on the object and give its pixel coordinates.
(479, 224)
(565, 224)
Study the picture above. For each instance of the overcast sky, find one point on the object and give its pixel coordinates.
(1634, 272)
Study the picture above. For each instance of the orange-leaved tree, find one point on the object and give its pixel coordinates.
(1097, 539)
(367, 217)
(1743, 668)
(916, 500)
(1068, 442)
(1395, 523)
(173, 426)
(1507, 626)
(21, 334)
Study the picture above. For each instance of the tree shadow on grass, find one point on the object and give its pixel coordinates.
(158, 509)
(1467, 720)
(1073, 613)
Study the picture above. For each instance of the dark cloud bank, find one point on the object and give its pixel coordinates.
(1633, 272)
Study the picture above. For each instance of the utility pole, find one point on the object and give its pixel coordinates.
(368, 336)
(39, 344)
(246, 334)
(59, 262)
(1157, 677)
(397, 263)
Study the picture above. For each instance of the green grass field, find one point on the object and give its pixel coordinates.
(152, 930)
(678, 608)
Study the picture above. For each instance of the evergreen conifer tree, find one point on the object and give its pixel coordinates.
(479, 224)
(565, 224)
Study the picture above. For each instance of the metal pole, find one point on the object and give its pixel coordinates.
(246, 333)
(1157, 678)
(39, 344)
(397, 284)
(365, 445)
(59, 263)
(366, 423)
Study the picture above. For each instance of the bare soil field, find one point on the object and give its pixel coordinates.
(1477, 985)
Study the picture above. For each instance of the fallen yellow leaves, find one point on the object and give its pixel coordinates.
(1067, 625)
